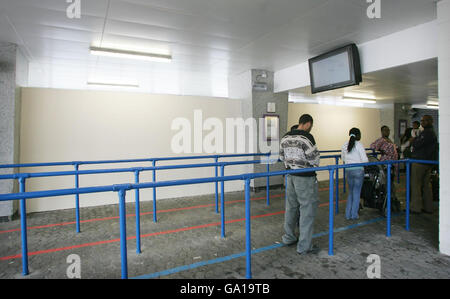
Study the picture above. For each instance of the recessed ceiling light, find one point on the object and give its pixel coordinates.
(130, 85)
(363, 96)
(130, 54)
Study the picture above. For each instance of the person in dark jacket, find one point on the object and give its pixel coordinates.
(424, 147)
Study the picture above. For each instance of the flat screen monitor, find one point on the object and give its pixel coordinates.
(335, 69)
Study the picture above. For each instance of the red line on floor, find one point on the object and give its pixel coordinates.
(128, 238)
(145, 235)
(131, 215)
(146, 213)
(59, 249)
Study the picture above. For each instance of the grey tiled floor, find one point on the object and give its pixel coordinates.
(186, 243)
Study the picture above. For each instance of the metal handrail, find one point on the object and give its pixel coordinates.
(77, 164)
(137, 171)
(24, 165)
(140, 169)
(123, 188)
(129, 160)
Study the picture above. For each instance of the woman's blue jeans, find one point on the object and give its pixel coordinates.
(355, 178)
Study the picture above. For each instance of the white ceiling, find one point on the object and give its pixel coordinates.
(208, 39)
(414, 83)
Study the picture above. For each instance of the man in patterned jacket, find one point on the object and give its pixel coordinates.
(298, 150)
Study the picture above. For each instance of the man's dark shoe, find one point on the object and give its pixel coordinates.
(314, 250)
(289, 244)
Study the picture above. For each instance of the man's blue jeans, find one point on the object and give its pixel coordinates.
(301, 207)
(355, 178)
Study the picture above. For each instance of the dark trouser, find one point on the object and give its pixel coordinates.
(421, 194)
(301, 207)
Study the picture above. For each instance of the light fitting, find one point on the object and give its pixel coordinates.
(132, 85)
(358, 100)
(130, 54)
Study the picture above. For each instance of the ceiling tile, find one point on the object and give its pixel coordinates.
(148, 15)
(171, 35)
(207, 37)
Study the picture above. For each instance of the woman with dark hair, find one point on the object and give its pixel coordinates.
(353, 152)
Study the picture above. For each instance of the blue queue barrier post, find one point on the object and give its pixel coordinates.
(138, 214)
(344, 189)
(123, 234)
(123, 188)
(285, 187)
(155, 219)
(248, 239)
(388, 207)
(222, 201)
(216, 160)
(268, 184)
(23, 228)
(337, 186)
(331, 215)
(408, 192)
(77, 199)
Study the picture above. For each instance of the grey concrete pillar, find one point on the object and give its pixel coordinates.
(262, 96)
(13, 75)
(255, 89)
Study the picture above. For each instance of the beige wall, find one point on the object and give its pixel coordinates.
(72, 125)
(332, 124)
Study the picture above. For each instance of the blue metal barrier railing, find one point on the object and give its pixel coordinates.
(137, 171)
(122, 189)
(23, 176)
(331, 170)
(77, 164)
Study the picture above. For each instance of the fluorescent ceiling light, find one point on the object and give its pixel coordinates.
(362, 96)
(132, 85)
(305, 101)
(425, 106)
(130, 54)
(358, 100)
(299, 98)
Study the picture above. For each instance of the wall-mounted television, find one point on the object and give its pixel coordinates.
(335, 69)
